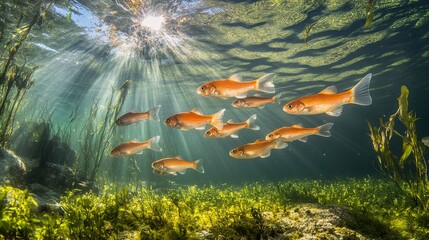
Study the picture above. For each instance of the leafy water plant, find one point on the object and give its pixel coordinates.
(409, 169)
(371, 208)
(370, 7)
(15, 78)
(97, 132)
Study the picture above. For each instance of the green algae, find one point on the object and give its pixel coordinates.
(352, 208)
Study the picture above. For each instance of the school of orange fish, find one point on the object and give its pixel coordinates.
(327, 101)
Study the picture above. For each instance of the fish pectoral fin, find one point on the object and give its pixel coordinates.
(139, 152)
(159, 173)
(234, 135)
(336, 112)
(260, 107)
(303, 139)
(182, 172)
(173, 173)
(201, 128)
(266, 154)
(230, 121)
(244, 95)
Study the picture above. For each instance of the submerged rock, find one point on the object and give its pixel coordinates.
(305, 221)
(12, 168)
(312, 221)
(35, 136)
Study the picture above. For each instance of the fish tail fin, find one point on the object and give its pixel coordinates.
(198, 166)
(324, 130)
(360, 92)
(153, 144)
(217, 119)
(280, 144)
(265, 83)
(153, 113)
(276, 98)
(251, 123)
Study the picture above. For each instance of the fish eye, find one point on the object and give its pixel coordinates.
(203, 88)
(234, 151)
(290, 106)
(271, 135)
(168, 120)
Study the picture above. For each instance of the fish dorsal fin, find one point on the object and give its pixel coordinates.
(297, 125)
(230, 121)
(236, 77)
(258, 140)
(329, 90)
(194, 110)
(178, 157)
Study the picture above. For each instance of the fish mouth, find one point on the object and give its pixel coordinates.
(285, 109)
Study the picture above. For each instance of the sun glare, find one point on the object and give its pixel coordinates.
(153, 23)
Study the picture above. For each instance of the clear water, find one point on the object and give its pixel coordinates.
(103, 45)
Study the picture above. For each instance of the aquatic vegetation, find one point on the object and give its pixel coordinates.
(17, 219)
(370, 7)
(409, 169)
(306, 32)
(15, 78)
(17, 81)
(373, 208)
(97, 135)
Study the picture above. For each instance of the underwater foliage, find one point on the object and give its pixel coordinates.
(409, 169)
(96, 135)
(370, 7)
(15, 77)
(372, 208)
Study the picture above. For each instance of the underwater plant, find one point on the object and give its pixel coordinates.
(97, 136)
(15, 78)
(409, 169)
(370, 7)
(372, 208)
(307, 30)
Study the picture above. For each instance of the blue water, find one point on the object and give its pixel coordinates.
(103, 45)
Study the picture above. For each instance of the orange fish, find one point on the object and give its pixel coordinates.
(255, 101)
(230, 128)
(133, 117)
(129, 148)
(195, 120)
(234, 87)
(297, 132)
(329, 101)
(176, 164)
(260, 148)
